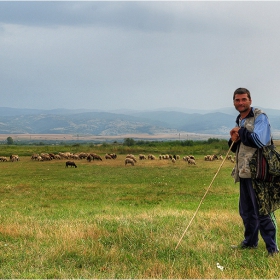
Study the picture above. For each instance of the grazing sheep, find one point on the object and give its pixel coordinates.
(129, 160)
(40, 158)
(35, 156)
(82, 155)
(176, 157)
(74, 157)
(89, 158)
(141, 157)
(173, 160)
(229, 157)
(3, 159)
(164, 157)
(64, 155)
(211, 157)
(14, 158)
(67, 154)
(95, 156)
(46, 157)
(52, 156)
(70, 163)
(151, 157)
(131, 157)
(108, 156)
(112, 155)
(191, 161)
(186, 158)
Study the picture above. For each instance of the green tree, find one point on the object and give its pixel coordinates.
(10, 140)
(128, 142)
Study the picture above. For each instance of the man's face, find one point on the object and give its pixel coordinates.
(242, 103)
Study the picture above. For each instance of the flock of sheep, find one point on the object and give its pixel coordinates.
(11, 158)
(68, 155)
(129, 159)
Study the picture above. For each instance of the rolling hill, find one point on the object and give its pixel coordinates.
(63, 121)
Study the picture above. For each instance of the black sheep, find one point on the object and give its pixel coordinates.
(71, 163)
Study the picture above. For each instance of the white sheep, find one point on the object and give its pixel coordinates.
(39, 158)
(3, 159)
(45, 156)
(206, 157)
(211, 157)
(152, 157)
(141, 157)
(35, 156)
(129, 161)
(14, 158)
(186, 158)
(108, 156)
(82, 155)
(131, 157)
(191, 161)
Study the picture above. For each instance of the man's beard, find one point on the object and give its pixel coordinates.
(242, 109)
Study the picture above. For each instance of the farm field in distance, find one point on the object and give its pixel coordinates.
(104, 138)
(106, 220)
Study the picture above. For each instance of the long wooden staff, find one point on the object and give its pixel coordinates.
(204, 197)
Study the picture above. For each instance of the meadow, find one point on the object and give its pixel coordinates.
(105, 220)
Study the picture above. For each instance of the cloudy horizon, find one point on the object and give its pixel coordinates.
(138, 55)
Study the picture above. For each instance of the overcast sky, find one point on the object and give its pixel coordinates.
(138, 55)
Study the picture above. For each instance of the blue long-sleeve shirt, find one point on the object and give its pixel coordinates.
(260, 136)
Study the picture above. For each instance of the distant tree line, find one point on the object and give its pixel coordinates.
(131, 142)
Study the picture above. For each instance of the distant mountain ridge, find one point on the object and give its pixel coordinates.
(94, 122)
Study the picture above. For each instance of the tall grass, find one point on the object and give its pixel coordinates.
(107, 220)
(182, 147)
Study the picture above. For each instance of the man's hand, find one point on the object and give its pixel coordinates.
(234, 134)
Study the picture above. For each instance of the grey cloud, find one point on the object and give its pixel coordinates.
(137, 54)
(147, 16)
(125, 14)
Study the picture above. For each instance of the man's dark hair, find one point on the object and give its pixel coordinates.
(242, 91)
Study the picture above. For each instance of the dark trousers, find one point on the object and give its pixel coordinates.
(253, 222)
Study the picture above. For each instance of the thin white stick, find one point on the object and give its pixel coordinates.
(204, 197)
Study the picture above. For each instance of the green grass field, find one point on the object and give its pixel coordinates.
(107, 220)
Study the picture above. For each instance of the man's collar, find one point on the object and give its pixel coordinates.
(250, 114)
